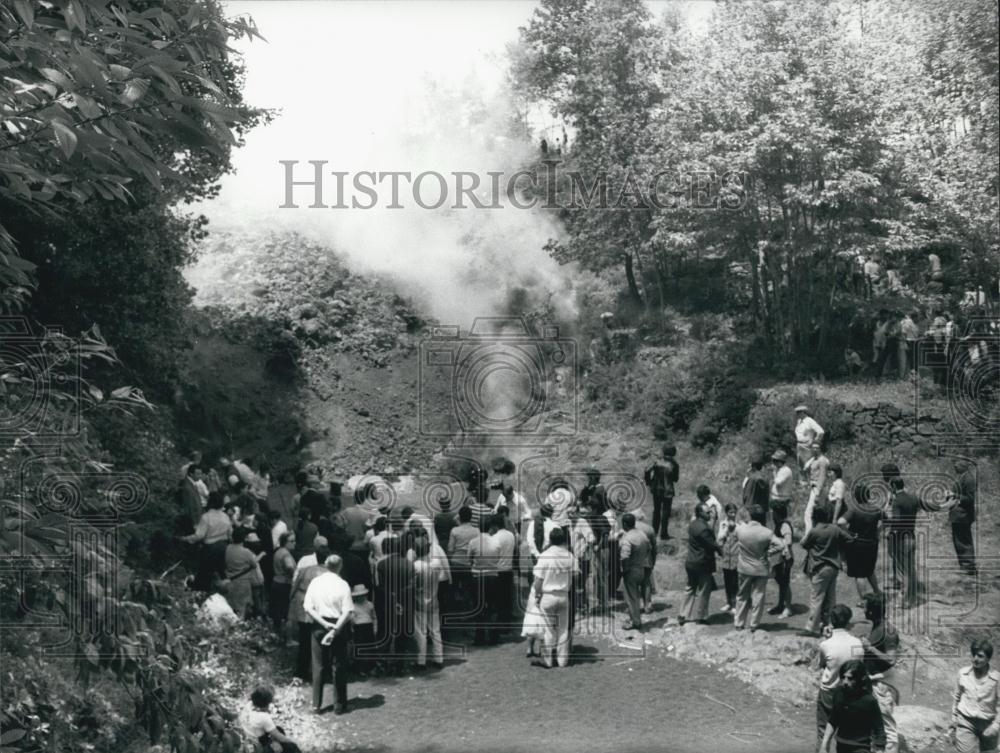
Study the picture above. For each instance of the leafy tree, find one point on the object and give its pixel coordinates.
(96, 96)
(597, 64)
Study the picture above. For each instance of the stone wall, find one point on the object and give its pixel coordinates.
(881, 424)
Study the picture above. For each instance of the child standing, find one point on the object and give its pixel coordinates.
(730, 553)
(363, 621)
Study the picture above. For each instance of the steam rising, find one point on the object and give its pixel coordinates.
(409, 87)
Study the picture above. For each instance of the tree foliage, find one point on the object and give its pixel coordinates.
(827, 133)
(97, 96)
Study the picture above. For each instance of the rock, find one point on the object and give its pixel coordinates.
(921, 729)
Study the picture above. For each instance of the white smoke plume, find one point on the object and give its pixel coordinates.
(398, 86)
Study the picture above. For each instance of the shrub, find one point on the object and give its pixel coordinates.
(772, 424)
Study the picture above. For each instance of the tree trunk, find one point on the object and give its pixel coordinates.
(633, 288)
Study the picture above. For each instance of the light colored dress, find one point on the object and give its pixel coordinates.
(534, 620)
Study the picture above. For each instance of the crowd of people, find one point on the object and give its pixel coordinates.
(362, 587)
(946, 343)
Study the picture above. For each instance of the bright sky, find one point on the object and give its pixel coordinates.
(352, 81)
(348, 75)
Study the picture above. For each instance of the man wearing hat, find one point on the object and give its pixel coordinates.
(781, 487)
(807, 432)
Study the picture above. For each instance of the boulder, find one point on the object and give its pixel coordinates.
(922, 729)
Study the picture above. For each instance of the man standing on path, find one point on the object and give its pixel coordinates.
(661, 477)
(756, 544)
(782, 487)
(807, 433)
(716, 513)
(962, 514)
(328, 602)
(634, 554)
(553, 579)
(823, 544)
(700, 566)
(840, 647)
(901, 540)
(506, 550)
(484, 552)
(756, 486)
(816, 466)
(647, 587)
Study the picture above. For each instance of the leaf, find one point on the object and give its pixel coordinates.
(87, 106)
(135, 89)
(119, 72)
(95, 393)
(92, 654)
(65, 137)
(57, 77)
(27, 14)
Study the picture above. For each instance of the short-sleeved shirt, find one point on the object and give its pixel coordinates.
(555, 568)
(840, 647)
(483, 554)
(506, 545)
(905, 507)
(863, 523)
(258, 723)
(329, 595)
(781, 486)
(818, 467)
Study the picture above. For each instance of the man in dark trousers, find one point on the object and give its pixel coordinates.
(394, 602)
(700, 566)
(962, 514)
(661, 477)
(901, 539)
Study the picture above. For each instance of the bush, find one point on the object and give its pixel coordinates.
(772, 425)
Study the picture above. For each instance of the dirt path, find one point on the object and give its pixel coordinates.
(609, 698)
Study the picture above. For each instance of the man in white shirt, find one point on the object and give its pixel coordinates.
(807, 432)
(816, 467)
(308, 560)
(782, 487)
(483, 552)
(329, 603)
(840, 647)
(539, 540)
(716, 514)
(553, 579)
(506, 547)
(517, 506)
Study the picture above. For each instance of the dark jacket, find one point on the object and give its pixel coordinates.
(701, 547)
